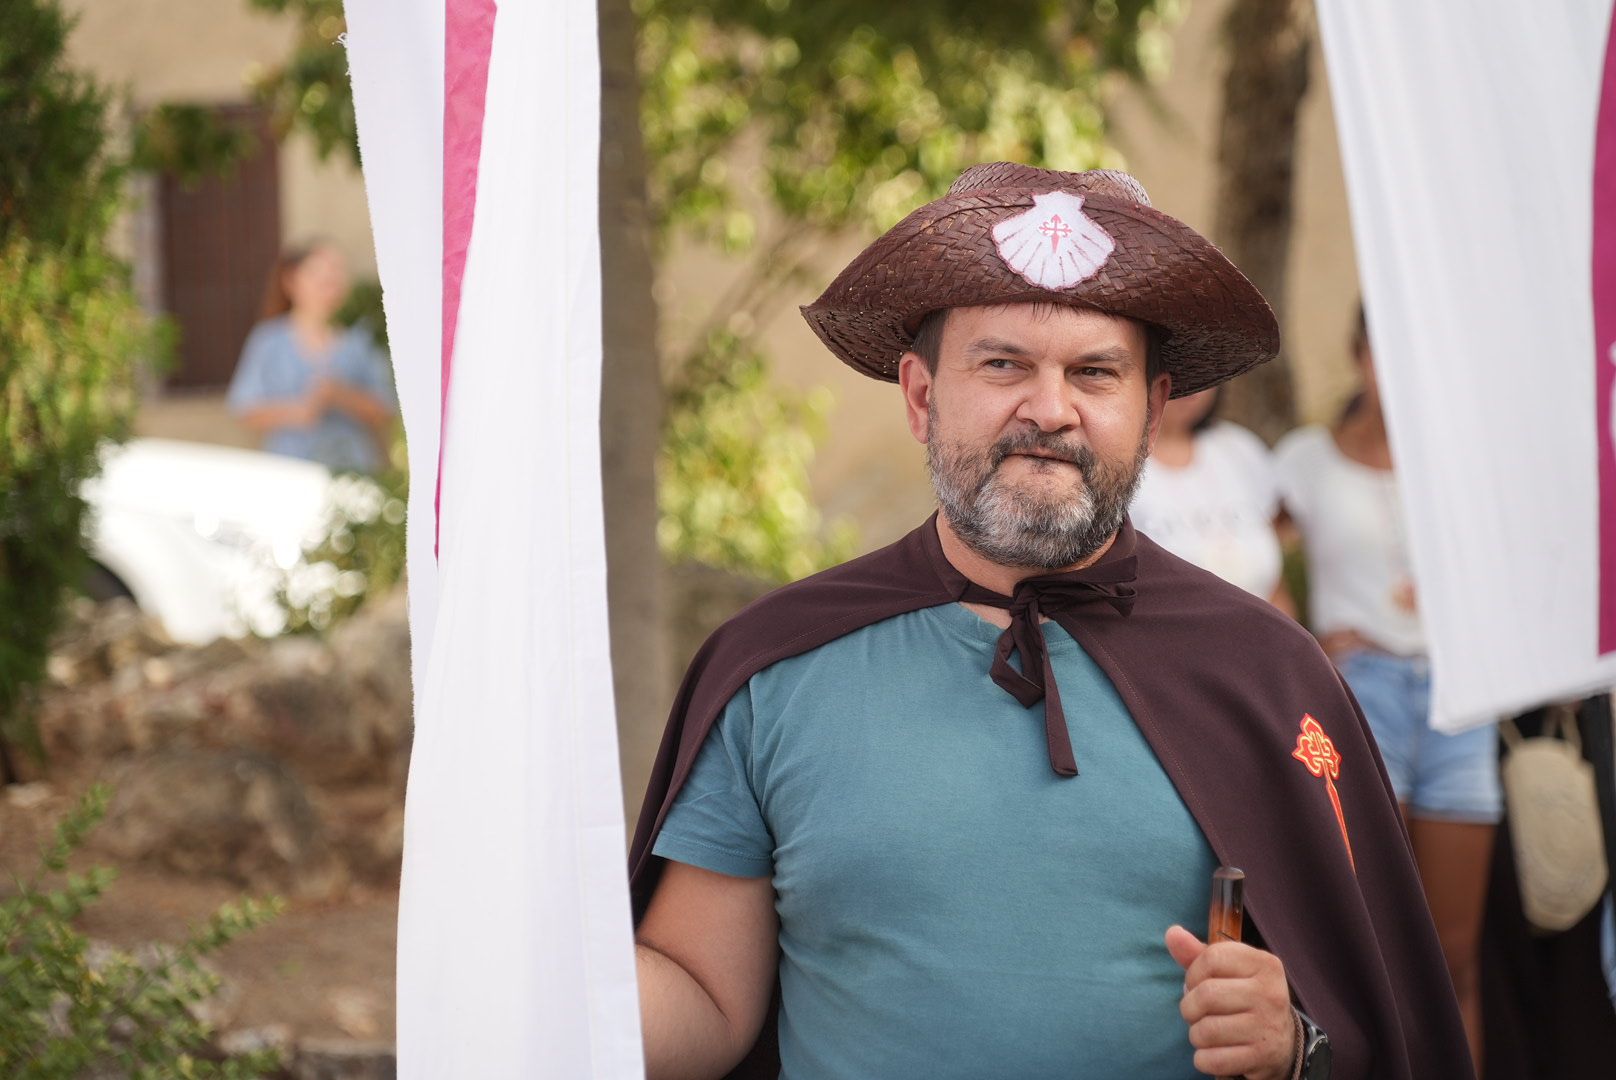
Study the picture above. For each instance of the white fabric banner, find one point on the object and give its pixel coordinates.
(515, 956)
(395, 62)
(1468, 134)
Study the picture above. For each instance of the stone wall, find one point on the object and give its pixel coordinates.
(274, 765)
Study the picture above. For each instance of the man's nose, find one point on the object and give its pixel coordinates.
(1050, 404)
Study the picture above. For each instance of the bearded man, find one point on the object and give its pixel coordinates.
(952, 809)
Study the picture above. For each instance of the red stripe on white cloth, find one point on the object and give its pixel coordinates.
(467, 43)
(1604, 295)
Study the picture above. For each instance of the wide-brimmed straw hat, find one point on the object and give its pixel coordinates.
(1009, 233)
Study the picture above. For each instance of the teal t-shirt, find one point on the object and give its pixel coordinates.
(949, 907)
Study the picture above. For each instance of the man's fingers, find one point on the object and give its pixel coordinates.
(1229, 960)
(1219, 997)
(1240, 1046)
(1237, 1005)
(1184, 947)
(1228, 1060)
(1217, 1030)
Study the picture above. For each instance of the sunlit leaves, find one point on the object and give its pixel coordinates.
(860, 109)
(310, 91)
(733, 484)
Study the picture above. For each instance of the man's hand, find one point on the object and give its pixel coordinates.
(330, 393)
(1238, 1006)
(318, 400)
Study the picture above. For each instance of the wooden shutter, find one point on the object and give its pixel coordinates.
(220, 237)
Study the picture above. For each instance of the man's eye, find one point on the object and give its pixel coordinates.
(1096, 372)
(1001, 364)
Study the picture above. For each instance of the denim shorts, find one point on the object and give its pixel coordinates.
(1436, 776)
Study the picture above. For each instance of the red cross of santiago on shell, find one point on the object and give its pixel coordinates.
(1054, 245)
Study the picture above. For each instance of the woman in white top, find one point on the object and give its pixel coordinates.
(1339, 488)
(1209, 495)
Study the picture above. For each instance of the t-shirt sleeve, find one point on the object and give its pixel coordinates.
(1291, 468)
(1257, 467)
(256, 376)
(716, 822)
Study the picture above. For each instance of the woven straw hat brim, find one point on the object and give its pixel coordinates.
(942, 255)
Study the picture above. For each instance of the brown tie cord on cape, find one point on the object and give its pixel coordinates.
(1054, 595)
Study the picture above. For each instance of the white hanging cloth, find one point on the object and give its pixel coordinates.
(1486, 242)
(479, 128)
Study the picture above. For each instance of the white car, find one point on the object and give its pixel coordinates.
(201, 536)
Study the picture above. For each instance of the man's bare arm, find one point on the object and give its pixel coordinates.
(707, 951)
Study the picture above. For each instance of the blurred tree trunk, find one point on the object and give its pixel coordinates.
(631, 410)
(1268, 45)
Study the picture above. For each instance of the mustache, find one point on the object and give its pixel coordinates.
(1023, 442)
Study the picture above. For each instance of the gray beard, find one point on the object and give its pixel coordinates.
(1015, 528)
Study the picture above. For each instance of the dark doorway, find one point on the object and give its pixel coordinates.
(219, 237)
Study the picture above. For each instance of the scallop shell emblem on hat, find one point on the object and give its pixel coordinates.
(1054, 245)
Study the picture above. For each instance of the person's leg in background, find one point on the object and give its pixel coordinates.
(1454, 858)
(1451, 801)
(1453, 814)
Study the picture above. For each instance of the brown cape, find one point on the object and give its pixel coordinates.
(1220, 684)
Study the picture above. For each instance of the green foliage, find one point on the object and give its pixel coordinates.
(733, 476)
(360, 553)
(364, 307)
(57, 183)
(67, 1009)
(310, 91)
(71, 334)
(863, 111)
(189, 141)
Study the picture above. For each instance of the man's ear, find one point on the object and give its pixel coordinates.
(1160, 389)
(915, 379)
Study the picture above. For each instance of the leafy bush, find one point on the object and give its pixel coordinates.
(71, 336)
(364, 308)
(57, 181)
(732, 481)
(68, 1009)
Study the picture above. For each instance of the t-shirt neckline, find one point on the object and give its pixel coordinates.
(963, 622)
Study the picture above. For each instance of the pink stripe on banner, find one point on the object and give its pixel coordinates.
(468, 40)
(1604, 289)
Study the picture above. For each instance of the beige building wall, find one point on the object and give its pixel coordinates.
(205, 52)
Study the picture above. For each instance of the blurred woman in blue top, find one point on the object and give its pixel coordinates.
(307, 386)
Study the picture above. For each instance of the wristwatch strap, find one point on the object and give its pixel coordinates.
(1300, 1056)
